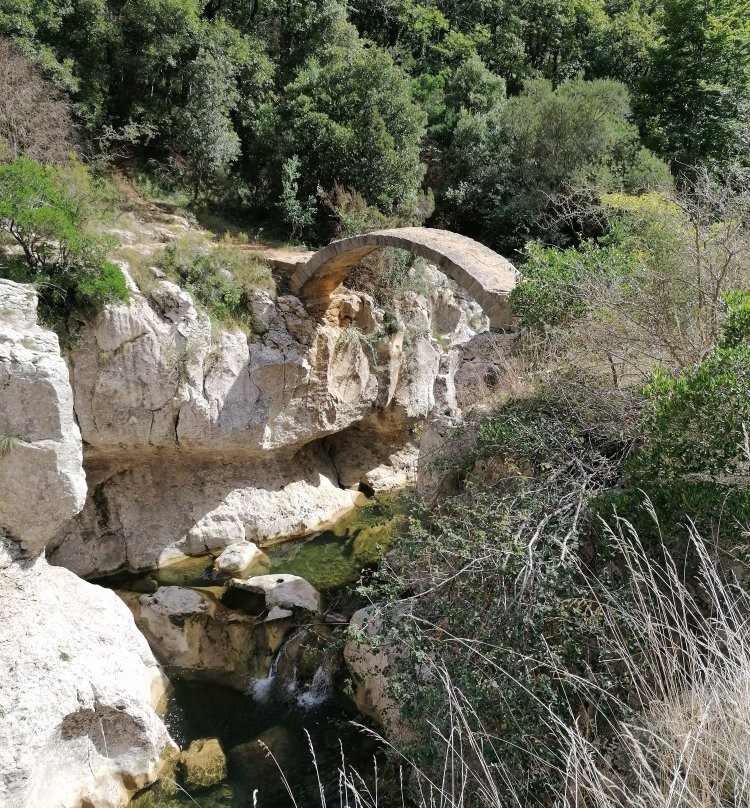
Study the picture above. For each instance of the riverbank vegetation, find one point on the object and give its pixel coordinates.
(288, 112)
(567, 615)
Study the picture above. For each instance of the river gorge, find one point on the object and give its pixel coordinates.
(187, 513)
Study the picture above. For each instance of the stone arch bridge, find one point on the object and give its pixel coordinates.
(486, 276)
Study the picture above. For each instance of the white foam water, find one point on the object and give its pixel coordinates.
(319, 691)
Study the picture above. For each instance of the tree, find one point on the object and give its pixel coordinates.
(351, 118)
(297, 214)
(46, 211)
(695, 94)
(510, 164)
(35, 118)
(204, 131)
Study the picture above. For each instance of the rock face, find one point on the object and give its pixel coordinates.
(78, 692)
(371, 665)
(37, 429)
(197, 440)
(191, 631)
(79, 685)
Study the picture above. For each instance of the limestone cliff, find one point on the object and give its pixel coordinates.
(79, 684)
(198, 437)
(38, 435)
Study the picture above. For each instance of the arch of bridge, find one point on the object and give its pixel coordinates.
(486, 276)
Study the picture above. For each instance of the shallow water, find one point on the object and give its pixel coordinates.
(273, 710)
(329, 560)
(281, 718)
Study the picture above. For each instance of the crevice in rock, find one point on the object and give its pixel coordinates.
(330, 450)
(366, 489)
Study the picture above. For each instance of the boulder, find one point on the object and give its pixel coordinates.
(371, 665)
(253, 759)
(239, 559)
(203, 764)
(262, 309)
(282, 590)
(79, 694)
(42, 482)
(277, 613)
(192, 632)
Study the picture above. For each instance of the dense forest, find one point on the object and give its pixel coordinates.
(485, 117)
(588, 522)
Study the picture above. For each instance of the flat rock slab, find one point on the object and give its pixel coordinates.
(284, 591)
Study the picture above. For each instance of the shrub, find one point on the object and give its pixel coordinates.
(46, 211)
(653, 291)
(300, 216)
(497, 599)
(219, 276)
(35, 119)
(555, 284)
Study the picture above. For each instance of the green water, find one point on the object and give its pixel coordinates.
(336, 557)
(329, 560)
(200, 710)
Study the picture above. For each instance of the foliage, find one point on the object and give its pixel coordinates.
(495, 595)
(47, 210)
(508, 165)
(350, 113)
(203, 127)
(222, 277)
(300, 216)
(552, 288)
(736, 328)
(651, 291)
(695, 96)
(697, 422)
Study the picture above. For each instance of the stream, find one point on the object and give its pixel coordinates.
(293, 720)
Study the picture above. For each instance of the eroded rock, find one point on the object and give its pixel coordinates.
(198, 439)
(79, 685)
(371, 665)
(41, 474)
(79, 693)
(192, 632)
(282, 590)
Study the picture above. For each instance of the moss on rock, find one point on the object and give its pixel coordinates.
(203, 763)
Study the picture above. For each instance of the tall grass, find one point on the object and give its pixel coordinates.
(684, 643)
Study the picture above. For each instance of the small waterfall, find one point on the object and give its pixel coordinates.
(284, 676)
(320, 689)
(261, 689)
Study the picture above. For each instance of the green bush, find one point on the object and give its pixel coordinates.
(693, 456)
(493, 580)
(219, 276)
(555, 285)
(736, 328)
(46, 211)
(299, 215)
